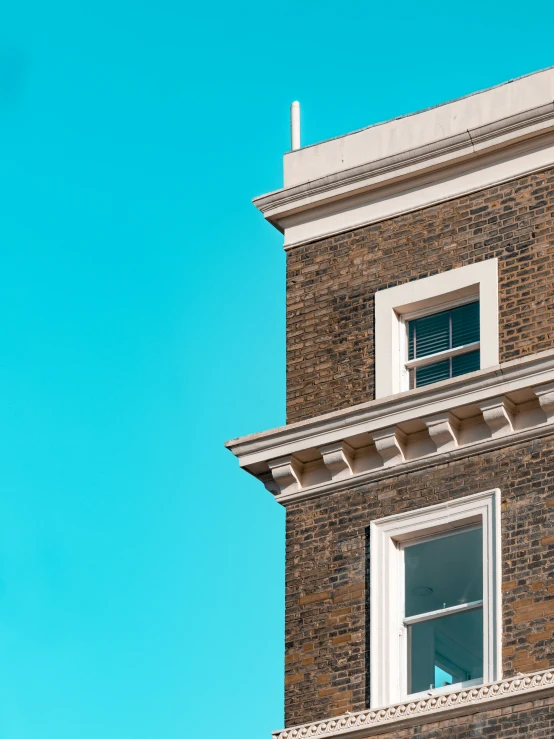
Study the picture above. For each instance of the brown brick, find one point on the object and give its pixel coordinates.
(331, 285)
(290, 679)
(342, 639)
(315, 564)
(326, 692)
(330, 318)
(313, 598)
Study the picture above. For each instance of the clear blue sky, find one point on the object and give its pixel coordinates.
(141, 573)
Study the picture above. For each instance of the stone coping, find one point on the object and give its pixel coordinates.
(394, 137)
(279, 201)
(415, 161)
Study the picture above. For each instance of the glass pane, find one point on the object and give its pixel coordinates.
(433, 373)
(445, 651)
(465, 324)
(411, 339)
(442, 678)
(443, 572)
(464, 363)
(432, 334)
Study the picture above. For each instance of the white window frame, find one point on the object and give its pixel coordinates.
(388, 643)
(395, 305)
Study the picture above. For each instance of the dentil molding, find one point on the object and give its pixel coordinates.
(511, 691)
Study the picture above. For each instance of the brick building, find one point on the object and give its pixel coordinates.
(416, 466)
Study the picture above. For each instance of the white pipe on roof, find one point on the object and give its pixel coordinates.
(295, 126)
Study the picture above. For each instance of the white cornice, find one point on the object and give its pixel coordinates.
(393, 409)
(509, 692)
(424, 127)
(513, 128)
(452, 166)
(484, 410)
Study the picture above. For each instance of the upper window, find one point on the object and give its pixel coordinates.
(443, 345)
(435, 328)
(435, 599)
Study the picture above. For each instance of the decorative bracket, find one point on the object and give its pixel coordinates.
(270, 483)
(443, 430)
(389, 444)
(287, 473)
(498, 414)
(338, 459)
(545, 394)
(379, 439)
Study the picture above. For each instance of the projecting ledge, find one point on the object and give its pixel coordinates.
(436, 707)
(480, 411)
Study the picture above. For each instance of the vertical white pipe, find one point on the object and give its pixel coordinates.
(295, 126)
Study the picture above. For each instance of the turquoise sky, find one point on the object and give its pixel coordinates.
(142, 296)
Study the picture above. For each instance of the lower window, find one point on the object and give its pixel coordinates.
(442, 619)
(435, 599)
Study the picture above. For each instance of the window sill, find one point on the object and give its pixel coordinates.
(435, 692)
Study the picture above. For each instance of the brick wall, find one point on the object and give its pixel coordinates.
(533, 720)
(331, 284)
(327, 608)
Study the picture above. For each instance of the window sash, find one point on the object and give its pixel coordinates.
(431, 615)
(446, 358)
(407, 621)
(443, 330)
(446, 354)
(433, 689)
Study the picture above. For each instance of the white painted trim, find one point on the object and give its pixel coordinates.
(477, 448)
(415, 161)
(464, 300)
(499, 110)
(257, 449)
(334, 446)
(388, 673)
(388, 718)
(399, 196)
(478, 280)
